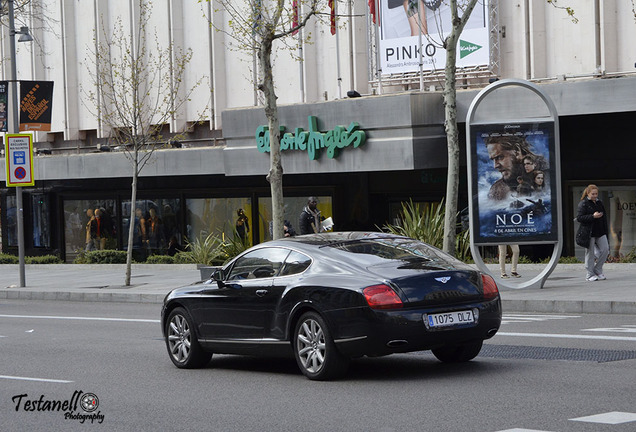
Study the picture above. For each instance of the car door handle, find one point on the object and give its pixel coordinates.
(261, 293)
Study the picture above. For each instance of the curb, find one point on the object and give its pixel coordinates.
(569, 306)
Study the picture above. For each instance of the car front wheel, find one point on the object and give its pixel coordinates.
(181, 341)
(316, 353)
(458, 353)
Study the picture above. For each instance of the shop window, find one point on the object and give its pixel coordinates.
(81, 230)
(155, 222)
(293, 206)
(41, 223)
(220, 217)
(12, 221)
(620, 205)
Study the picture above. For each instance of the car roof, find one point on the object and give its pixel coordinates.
(329, 238)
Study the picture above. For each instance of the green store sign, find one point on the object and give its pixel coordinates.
(313, 141)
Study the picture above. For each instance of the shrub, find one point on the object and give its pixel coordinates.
(44, 259)
(160, 259)
(630, 257)
(524, 260)
(9, 259)
(569, 260)
(203, 252)
(427, 225)
(101, 257)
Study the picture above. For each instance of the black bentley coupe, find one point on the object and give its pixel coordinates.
(328, 298)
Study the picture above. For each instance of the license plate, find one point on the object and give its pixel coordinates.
(449, 319)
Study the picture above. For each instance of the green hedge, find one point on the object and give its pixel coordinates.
(44, 259)
(160, 259)
(101, 257)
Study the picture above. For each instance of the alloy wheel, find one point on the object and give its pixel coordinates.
(311, 345)
(179, 338)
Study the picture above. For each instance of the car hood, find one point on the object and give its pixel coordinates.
(428, 283)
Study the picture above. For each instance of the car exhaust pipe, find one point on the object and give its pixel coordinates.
(492, 332)
(397, 343)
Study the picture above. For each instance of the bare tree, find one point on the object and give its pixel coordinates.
(256, 25)
(34, 14)
(137, 92)
(460, 13)
(459, 17)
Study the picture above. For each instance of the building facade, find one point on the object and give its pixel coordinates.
(198, 186)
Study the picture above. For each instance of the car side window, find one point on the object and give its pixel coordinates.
(295, 263)
(257, 264)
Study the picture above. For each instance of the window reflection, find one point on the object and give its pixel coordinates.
(155, 222)
(219, 216)
(12, 221)
(293, 207)
(41, 226)
(89, 225)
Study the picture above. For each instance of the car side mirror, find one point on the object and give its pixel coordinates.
(218, 275)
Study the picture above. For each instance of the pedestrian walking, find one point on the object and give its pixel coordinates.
(592, 233)
(503, 249)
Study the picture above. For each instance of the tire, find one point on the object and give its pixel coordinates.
(458, 353)
(181, 341)
(316, 353)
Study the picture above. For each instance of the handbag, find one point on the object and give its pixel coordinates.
(583, 235)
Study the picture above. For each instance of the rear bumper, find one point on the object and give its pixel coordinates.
(363, 331)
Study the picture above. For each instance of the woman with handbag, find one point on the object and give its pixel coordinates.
(592, 233)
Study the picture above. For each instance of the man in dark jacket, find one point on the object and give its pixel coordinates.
(310, 218)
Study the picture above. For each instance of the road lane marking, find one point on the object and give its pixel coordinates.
(82, 318)
(525, 318)
(622, 329)
(34, 379)
(614, 417)
(568, 336)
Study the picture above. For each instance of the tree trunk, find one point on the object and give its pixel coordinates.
(452, 139)
(275, 176)
(452, 133)
(131, 219)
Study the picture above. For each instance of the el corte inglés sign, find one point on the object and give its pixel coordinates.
(313, 141)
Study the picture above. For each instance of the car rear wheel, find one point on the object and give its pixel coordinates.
(458, 353)
(316, 353)
(181, 341)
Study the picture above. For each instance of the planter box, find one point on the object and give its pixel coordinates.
(207, 271)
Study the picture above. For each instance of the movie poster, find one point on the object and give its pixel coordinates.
(514, 183)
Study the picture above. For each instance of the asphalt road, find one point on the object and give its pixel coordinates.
(540, 373)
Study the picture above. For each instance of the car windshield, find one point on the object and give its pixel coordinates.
(404, 249)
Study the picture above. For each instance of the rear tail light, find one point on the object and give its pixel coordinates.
(382, 297)
(490, 287)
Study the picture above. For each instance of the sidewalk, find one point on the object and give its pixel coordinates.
(566, 291)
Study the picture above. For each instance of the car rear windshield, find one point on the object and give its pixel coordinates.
(378, 250)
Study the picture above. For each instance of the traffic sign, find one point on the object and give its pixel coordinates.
(19, 159)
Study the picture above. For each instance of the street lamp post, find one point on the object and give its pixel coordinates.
(15, 128)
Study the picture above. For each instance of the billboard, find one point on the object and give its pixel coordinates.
(400, 36)
(514, 183)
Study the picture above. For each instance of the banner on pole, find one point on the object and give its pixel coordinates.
(36, 99)
(4, 118)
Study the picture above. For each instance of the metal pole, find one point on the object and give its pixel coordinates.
(335, 8)
(15, 128)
